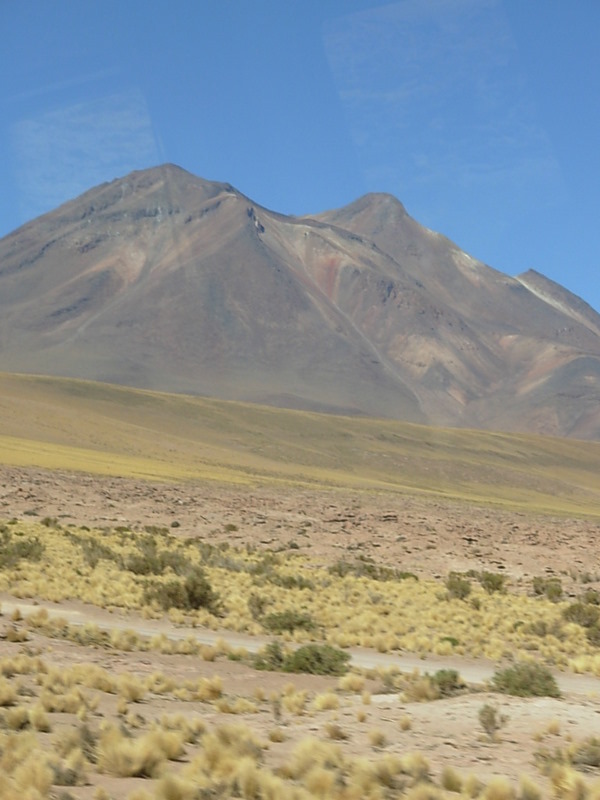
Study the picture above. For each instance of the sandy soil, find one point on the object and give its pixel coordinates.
(426, 535)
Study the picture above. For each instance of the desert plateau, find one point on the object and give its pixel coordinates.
(262, 607)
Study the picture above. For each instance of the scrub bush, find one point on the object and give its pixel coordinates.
(317, 659)
(526, 680)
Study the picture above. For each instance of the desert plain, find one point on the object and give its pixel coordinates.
(465, 554)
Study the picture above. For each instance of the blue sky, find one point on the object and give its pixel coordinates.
(482, 116)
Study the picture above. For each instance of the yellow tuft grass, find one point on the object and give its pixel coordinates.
(352, 682)
(143, 757)
(499, 788)
(8, 693)
(328, 701)
(377, 738)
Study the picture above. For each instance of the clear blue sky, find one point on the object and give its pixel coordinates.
(482, 116)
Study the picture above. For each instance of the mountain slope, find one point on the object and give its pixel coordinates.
(166, 281)
(523, 347)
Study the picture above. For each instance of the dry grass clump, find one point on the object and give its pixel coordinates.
(71, 702)
(24, 768)
(227, 764)
(16, 634)
(22, 664)
(352, 682)
(88, 675)
(327, 701)
(131, 688)
(419, 688)
(38, 718)
(311, 753)
(491, 720)
(322, 769)
(499, 788)
(71, 771)
(295, 703)
(143, 757)
(126, 640)
(240, 705)
(159, 683)
(561, 764)
(377, 738)
(528, 789)
(206, 689)
(335, 731)
(16, 718)
(567, 783)
(82, 739)
(192, 728)
(451, 780)
(8, 693)
(277, 735)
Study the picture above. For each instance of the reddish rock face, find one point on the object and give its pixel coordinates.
(166, 281)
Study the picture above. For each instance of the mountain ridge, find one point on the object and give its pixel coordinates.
(165, 281)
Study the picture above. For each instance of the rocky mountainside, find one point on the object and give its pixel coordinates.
(166, 281)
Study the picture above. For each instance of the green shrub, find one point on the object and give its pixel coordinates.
(587, 753)
(365, 567)
(448, 681)
(93, 550)
(257, 604)
(288, 621)
(13, 548)
(548, 587)
(156, 530)
(492, 582)
(317, 659)
(458, 586)
(168, 595)
(151, 562)
(491, 720)
(193, 593)
(593, 635)
(143, 564)
(199, 592)
(526, 680)
(591, 596)
(271, 657)
(541, 628)
(451, 640)
(289, 581)
(582, 614)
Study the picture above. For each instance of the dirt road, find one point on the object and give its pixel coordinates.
(473, 671)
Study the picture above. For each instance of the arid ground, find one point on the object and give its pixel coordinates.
(425, 535)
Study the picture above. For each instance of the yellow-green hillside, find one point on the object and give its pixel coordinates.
(101, 428)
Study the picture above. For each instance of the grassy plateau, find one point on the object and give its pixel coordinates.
(68, 424)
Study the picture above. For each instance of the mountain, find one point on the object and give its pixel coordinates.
(166, 281)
